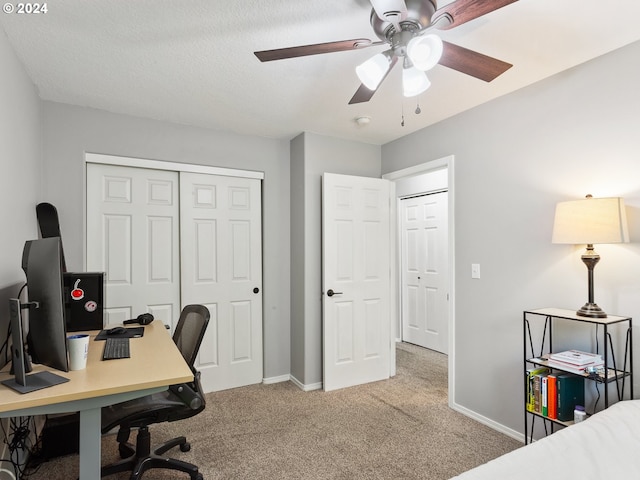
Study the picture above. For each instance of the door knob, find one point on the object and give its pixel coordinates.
(256, 290)
(331, 293)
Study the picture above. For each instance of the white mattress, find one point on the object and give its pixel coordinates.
(605, 446)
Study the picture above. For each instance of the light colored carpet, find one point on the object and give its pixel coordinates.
(400, 428)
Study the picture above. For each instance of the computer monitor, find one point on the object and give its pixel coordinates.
(42, 264)
(47, 338)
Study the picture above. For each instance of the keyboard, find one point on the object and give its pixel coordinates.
(115, 348)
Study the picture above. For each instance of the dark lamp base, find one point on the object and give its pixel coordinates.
(591, 310)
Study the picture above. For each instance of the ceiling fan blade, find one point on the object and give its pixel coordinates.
(472, 63)
(462, 11)
(392, 11)
(314, 49)
(363, 94)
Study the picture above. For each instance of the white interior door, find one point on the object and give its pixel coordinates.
(425, 312)
(132, 236)
(356, 280)
(222, 268)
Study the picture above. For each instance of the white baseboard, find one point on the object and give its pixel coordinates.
(488, 422)
(280, 379)
(294, 380)
(303, 387)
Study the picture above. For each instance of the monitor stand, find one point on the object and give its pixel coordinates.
(35, 381)
(21, 382)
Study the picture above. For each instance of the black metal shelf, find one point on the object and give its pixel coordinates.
(612, 376)
(617, 374)
(553, 420)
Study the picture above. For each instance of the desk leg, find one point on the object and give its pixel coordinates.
(90, 438)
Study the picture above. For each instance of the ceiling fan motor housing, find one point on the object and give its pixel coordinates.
(419, 13)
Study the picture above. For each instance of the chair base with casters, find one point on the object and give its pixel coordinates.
(178, 402)
(139, 459)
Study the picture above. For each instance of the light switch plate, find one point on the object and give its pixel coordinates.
(475, 270)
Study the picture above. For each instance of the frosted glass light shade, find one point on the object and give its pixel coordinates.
(373, 70)
(414, 81)
(425, 51)
(591, 221)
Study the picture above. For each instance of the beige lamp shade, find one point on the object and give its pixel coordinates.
(591, 221)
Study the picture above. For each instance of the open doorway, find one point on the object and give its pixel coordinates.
(430, 177)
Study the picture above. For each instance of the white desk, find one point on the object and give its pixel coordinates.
(155, 364)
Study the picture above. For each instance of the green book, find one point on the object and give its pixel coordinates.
(530, 376)
(543, 394)
(570, 391)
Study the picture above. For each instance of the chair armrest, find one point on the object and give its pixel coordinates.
(191, 397)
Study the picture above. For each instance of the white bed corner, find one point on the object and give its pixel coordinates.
(605, 446)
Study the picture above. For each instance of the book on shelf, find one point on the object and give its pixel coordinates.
(536, 393)
(552, 396)
(569, 393)
(531, 374)
(544, 394)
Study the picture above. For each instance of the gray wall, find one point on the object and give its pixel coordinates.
(313, 155)
(298, 299)
(69, 132)
(20, 148)
(20, 163)
(515, 157)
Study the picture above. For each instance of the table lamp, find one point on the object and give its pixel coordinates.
(589, 221)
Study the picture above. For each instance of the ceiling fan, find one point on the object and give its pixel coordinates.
(406, 26)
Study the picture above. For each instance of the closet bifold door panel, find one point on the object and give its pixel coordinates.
(221, 253)
(133, 236)
(166, 239)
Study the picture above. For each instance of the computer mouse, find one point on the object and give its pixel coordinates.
(116, 331)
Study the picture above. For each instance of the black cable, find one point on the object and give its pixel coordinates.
(595, 377)
(36, 457)
(19, 443)
(5, 344)
(10, 441)
(595, 405)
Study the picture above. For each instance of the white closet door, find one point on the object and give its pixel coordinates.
(132, 236)
(220, 224)
(425, 309)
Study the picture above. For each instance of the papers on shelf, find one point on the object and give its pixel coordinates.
(577, 358)
(574, 361)
(569, 368)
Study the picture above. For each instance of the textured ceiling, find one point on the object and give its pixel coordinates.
(192, 62)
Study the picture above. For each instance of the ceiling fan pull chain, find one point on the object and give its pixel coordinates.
(402, 122)
(418, 110)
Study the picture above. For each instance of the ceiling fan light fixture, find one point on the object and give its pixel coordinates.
(425, 51)
(373, 71)
(414, 81)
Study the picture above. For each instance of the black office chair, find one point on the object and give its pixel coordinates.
(179, 402)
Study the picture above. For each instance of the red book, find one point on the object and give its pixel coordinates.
(552, 397)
